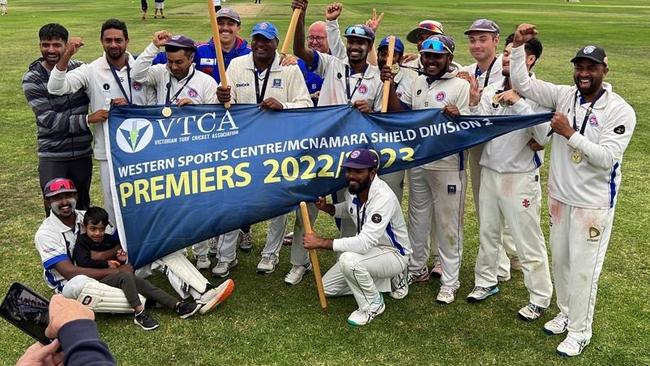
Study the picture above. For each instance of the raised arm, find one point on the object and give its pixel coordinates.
(62, 82)
(299, 48)
(143, 71)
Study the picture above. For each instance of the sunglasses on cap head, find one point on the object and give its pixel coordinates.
(435, 45)
(61, 184)
(354, 30)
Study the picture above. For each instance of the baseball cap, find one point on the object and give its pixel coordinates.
(360, 31)
(265, 29)
(438, 43)
(593, 53)
(399, 46)
(180, 41)
(58, 186)
(429, 27)
(361, 158)
(483, 25)
(230, 14)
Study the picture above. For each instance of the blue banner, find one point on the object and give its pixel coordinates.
(206, 170)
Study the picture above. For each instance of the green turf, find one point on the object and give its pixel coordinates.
(267, 322)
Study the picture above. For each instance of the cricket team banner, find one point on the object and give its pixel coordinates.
(205, 170)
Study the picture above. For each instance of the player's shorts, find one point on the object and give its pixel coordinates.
(160, 5)
(144, 5)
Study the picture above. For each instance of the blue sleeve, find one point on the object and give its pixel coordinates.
(161, 58)
(314, 64)
(81, 344)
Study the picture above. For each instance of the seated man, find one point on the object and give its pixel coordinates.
(55, 241)
(380, 250)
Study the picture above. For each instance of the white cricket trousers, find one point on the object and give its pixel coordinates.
(395, 181)
(227, 246)
(275, 235)
(579, 240)
(364, 275)
(439, 194)
(516, 199)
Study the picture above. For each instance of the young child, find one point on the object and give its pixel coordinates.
(159, 6)
(96, 249)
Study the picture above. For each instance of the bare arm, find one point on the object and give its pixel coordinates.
(299, 48)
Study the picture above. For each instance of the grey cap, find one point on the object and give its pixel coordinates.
(229, 13)
(483, 25)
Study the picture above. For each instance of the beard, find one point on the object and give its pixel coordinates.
(56, 206)
(355, 187)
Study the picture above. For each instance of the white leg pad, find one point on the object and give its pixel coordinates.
(182, 274)
(102, 298)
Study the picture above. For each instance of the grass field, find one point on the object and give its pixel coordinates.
(266, 322)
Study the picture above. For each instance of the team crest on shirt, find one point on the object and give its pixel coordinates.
(192, 93)
(363, 89)
(137, 86)
(619, 130)
(277, 83)
(594, 234)
(339, 76)
(106, 86)
(525, 203)
(376, 218)
(441, 96)
(351, 210)
(593, 121)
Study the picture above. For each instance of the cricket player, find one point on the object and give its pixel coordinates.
(592, 127)
(378, 253)
(258, 78)
(483, 36)
(437, 189)
(510, 190)
(349, 81)
(107, 81)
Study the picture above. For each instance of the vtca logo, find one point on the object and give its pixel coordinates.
(197, 124)
(134, 134)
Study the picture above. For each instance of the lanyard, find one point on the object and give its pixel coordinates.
(477, 73)
(119, 83)
(260, 96)
(168, 101)
(362, 218)
(347, 82)
(591, 106)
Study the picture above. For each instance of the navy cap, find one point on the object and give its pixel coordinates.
(483, 25)
(265, 29)
(230, 14)
(360, 31)
(181, 41)
(593, 53)
(399, 46)
(58, 186)
(361, 158)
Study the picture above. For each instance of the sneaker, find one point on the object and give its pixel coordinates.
(481, 293)
(202, 262)
(572, 346)
(531, 312)
(187, 309)
(210, 299)
(144, 320)
(362, 317)
(556, 325)
(245, 241)
(399, 286)
(437, 269)
(222, 269)
(422, 276)
(288, 239)
(296, 273)
(446, 295)
(267, 264)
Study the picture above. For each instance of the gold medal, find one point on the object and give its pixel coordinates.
(576, 156)
(166, 112)
(496, 99)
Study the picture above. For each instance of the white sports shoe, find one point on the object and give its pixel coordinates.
(245, 241)
(399, 286)
(202, 262)
(437, 269)
(362, 317)
(531, 312)
(446, 295)
(267, 264)
(222, 269)
(572, 346)
(296, 273)
(557, 325)
(481, 293)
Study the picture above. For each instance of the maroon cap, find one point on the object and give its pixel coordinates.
(58, 186)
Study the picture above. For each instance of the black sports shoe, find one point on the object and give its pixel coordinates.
(187, 309)
(145, 320)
